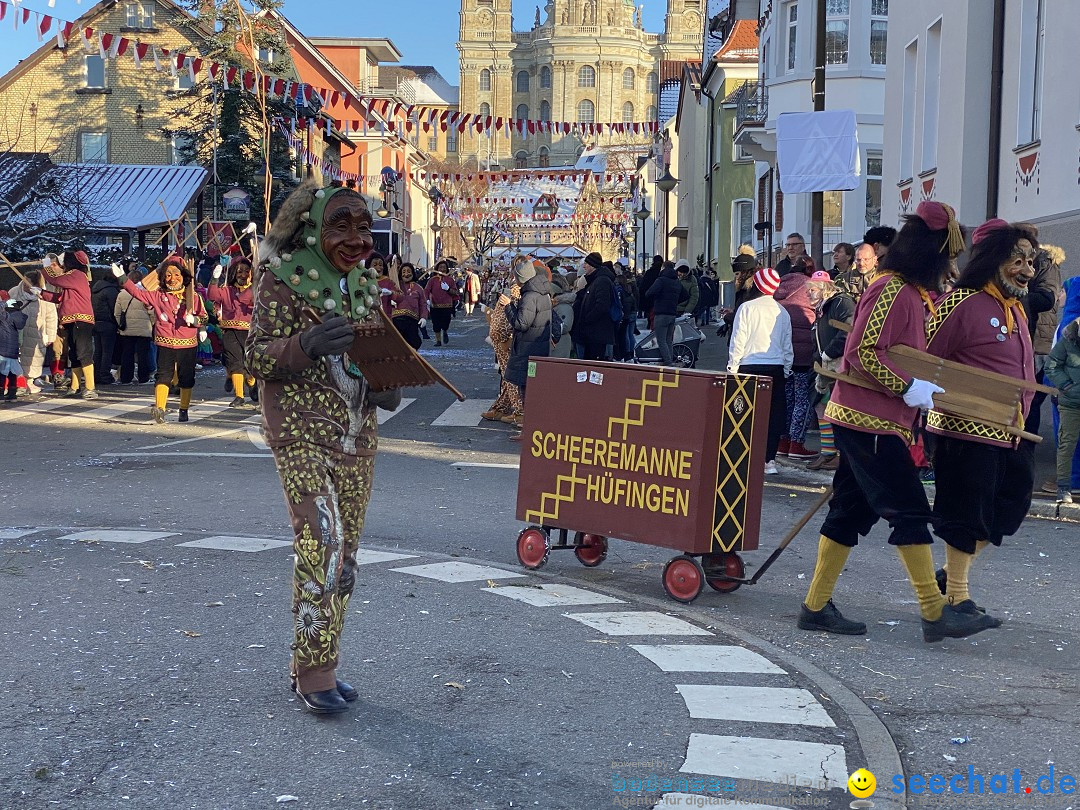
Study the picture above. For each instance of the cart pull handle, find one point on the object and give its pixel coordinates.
(820, 502)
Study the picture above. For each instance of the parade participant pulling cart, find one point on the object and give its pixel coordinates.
(663, 456)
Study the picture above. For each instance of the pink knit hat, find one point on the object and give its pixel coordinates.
(767, 280)
(820, 275)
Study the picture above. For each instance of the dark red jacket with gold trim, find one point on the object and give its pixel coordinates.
(170, 329)
(73, 302)
(235, 305)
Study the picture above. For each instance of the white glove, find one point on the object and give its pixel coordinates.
(46, 262)
(189, 319)
(217, 271)
(422, 323)
(202, 336)
(385, 291)
(920, 394)
(35, 291)
(251, 227)
(117, 270)
(445, 286)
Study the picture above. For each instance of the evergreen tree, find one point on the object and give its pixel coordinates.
(250, 36)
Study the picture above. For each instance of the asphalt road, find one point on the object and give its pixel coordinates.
(128, 684)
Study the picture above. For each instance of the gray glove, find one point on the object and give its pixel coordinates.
(387, 400)
(332, 336)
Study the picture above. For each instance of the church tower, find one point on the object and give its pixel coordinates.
(485, 39)
(683, 25)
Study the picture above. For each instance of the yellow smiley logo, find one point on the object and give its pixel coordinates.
(862, 783)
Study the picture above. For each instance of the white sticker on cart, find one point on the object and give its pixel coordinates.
(582, 376)
(596, 378)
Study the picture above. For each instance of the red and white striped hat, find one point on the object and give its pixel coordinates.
(767, 280)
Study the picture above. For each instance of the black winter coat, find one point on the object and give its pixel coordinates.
(103, 298)
(666, 293)
(530, 318)
(592, 310)
(827, 338)
(11, 321)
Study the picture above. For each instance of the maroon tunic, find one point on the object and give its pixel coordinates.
(890, 312)
(971, 327)
(170, 329)
(73, 301)
(235, 305)
(411, 301)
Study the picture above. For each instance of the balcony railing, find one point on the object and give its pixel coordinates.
(751, 103)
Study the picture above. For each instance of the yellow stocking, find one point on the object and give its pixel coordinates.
(956, 591)
(830, 562)
(161, 395)
(185, 398)
(88, 377)
(76, 378)
(238, 384)
(919, 563)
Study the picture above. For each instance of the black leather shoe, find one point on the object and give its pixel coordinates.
(955, 623)
(829, 620)
(183, 415)
(968, 606)
(328, 701)
(347, 692)
(942, 577)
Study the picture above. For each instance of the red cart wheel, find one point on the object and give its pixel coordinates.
(726, 564)
(683, 578)
(590, 549)
(533, 547)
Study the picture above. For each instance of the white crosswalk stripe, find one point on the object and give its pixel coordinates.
(385, 416)
(767, 760)
(229, 543)
(116, 536)
(707, 658)
(462, 414)
(637, 623)
(754, 704)
(21, 411)
(457, 572)
(553, 595)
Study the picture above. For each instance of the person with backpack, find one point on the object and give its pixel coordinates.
(594, 324)
(135, 328)
(689, 283)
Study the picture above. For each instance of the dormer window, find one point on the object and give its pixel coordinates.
(140, 15)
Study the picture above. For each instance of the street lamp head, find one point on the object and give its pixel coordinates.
(435, 227)
(667, 181)
(643, 212)
(382, 212)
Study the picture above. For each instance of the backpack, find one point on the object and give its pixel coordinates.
(556, 327)
(616, 310)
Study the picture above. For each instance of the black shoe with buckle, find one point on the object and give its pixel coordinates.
(346, 691)
(183, 417)
(829, 620)
(955, 623)
(968, 606)
(328, 701)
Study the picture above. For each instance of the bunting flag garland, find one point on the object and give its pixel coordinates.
(112, 46)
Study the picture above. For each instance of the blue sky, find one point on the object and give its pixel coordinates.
(424, 31)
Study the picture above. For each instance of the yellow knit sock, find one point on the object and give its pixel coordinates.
(161, 395)
(237, 384)
(76, 379)
(88, 377)
(919, 563)
(980, 546)
(956, 591)
(185, 398)
(830, 562)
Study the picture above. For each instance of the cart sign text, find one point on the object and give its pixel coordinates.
(614, 457)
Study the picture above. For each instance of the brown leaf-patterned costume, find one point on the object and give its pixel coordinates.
(502, 336)
(321, 427)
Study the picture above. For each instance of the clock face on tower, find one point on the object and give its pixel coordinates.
(485, 17)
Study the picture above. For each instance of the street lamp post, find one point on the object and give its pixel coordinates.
(666, 182)
(642, 214)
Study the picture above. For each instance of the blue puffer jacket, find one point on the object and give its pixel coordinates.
(11, 321)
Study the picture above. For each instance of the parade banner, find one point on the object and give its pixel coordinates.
(665, 456)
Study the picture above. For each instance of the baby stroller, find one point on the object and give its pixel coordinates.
(685, 345)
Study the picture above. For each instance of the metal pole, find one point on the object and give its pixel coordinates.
(213, 93)
(817, 204)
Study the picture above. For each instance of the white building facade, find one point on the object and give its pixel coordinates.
(942, 139)
(857, 32)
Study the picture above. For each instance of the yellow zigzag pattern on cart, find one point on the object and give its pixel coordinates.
(556, 498)
(735, 450)
(642, 402)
